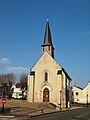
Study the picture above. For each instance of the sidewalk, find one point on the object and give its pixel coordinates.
(17, 113)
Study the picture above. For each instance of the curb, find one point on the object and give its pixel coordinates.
(48, 113)
(19, 117)
(54, 112)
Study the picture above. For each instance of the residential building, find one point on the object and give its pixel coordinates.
(81, 95)
(17, 91)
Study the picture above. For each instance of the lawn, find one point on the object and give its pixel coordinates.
(25, 104)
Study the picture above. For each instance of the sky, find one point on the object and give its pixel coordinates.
(22, 29)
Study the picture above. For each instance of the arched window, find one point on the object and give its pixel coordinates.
(46, 76)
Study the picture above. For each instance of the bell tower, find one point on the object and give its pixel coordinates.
(47, 44)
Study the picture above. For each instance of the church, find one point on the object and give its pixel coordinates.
(48, 81)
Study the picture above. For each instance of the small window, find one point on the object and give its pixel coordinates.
(76, 93)
(46, 76)
(77, 99)
(49, 48)
(20, 94)
(43, 48)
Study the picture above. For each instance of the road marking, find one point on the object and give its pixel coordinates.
(6, 116)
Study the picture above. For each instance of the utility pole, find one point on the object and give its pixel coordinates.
(87, 99)
(60, 100)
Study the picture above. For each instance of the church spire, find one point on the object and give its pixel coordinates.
(47, 37)
(47, 44)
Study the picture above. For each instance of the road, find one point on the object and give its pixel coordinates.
(76, 114)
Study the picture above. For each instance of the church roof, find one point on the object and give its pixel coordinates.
(54, 61)
(47, 37)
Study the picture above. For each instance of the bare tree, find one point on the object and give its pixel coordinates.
(10, 77)
(3, 77)
(6, 81)
(23, 81)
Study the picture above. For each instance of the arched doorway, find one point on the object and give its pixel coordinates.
(46, 95)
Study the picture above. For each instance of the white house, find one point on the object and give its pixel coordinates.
(48, 81)
(81, 95)
(17, 92)
(86, 93)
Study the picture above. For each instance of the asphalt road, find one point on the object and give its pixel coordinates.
(77, 114)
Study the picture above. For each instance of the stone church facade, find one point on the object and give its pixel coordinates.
(47, 80)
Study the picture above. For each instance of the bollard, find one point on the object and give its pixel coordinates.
(42, 111)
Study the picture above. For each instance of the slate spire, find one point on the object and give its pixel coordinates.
(47, 37)
(47, 44)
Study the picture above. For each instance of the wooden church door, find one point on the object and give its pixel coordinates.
(46, 95)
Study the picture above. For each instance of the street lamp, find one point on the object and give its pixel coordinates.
(60, 100)
(87, 96)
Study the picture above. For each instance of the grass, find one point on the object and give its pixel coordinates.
(17, 102)
(26, 104)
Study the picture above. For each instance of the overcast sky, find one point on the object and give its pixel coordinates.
(22, 28)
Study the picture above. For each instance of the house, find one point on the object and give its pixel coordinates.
(77, 94)
(81, 95)
(17, 91)
(86, 93)
(48, 81)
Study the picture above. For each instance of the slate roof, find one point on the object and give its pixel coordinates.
(47, 37)
(18, 85)
(78, 87)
